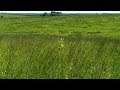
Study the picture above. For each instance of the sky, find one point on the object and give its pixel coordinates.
(60, 11)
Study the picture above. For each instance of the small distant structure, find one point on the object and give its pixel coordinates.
(53, 13)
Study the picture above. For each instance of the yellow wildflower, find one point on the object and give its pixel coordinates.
(61, 42)
(62, 45)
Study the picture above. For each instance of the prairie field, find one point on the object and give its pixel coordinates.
(60, 47)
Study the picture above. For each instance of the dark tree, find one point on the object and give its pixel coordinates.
(1, 16)
(45, 14)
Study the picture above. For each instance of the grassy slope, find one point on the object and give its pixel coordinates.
(28, 55)
(102, 25)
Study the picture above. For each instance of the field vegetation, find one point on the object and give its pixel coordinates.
(60, 47)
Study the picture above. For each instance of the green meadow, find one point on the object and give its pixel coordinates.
(60, 47)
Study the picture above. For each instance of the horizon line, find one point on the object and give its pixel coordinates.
(61, 11)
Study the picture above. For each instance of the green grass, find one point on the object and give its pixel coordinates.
(60, 47)
(95, 25)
